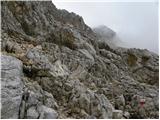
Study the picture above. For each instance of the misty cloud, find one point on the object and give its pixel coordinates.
(136, 23)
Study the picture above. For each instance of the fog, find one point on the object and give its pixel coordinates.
(136, 23)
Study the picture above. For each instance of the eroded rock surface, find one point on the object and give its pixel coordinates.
(11, 86)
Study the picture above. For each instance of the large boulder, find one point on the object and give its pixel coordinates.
(11, 86)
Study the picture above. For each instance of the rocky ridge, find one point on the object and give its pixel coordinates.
(107, 35)
(55, 66)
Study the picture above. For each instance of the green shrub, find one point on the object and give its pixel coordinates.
(28, 29)
(62, 38)
(132, 59)
(68, 39)
(145, 59)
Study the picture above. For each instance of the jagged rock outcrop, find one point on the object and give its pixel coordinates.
(107, 36)
(65, 71)
(104, 31)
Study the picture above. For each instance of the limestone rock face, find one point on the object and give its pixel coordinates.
(55, 66)
(11, 86)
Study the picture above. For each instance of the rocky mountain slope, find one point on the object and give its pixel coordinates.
(54, 66)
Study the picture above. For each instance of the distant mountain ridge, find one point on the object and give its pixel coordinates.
(107, 35)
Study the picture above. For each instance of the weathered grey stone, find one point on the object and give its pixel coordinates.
(107, 106)
(87, 54)
(50, 100)
(126, 115)
(39, 58)
(32, 113)
(58, 69)
(120, 102)
(11, 86)
(117, 114)
(47, 113)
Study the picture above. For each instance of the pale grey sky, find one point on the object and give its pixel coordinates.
(136, 23)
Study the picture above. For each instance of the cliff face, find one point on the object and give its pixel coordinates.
(54, 66)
